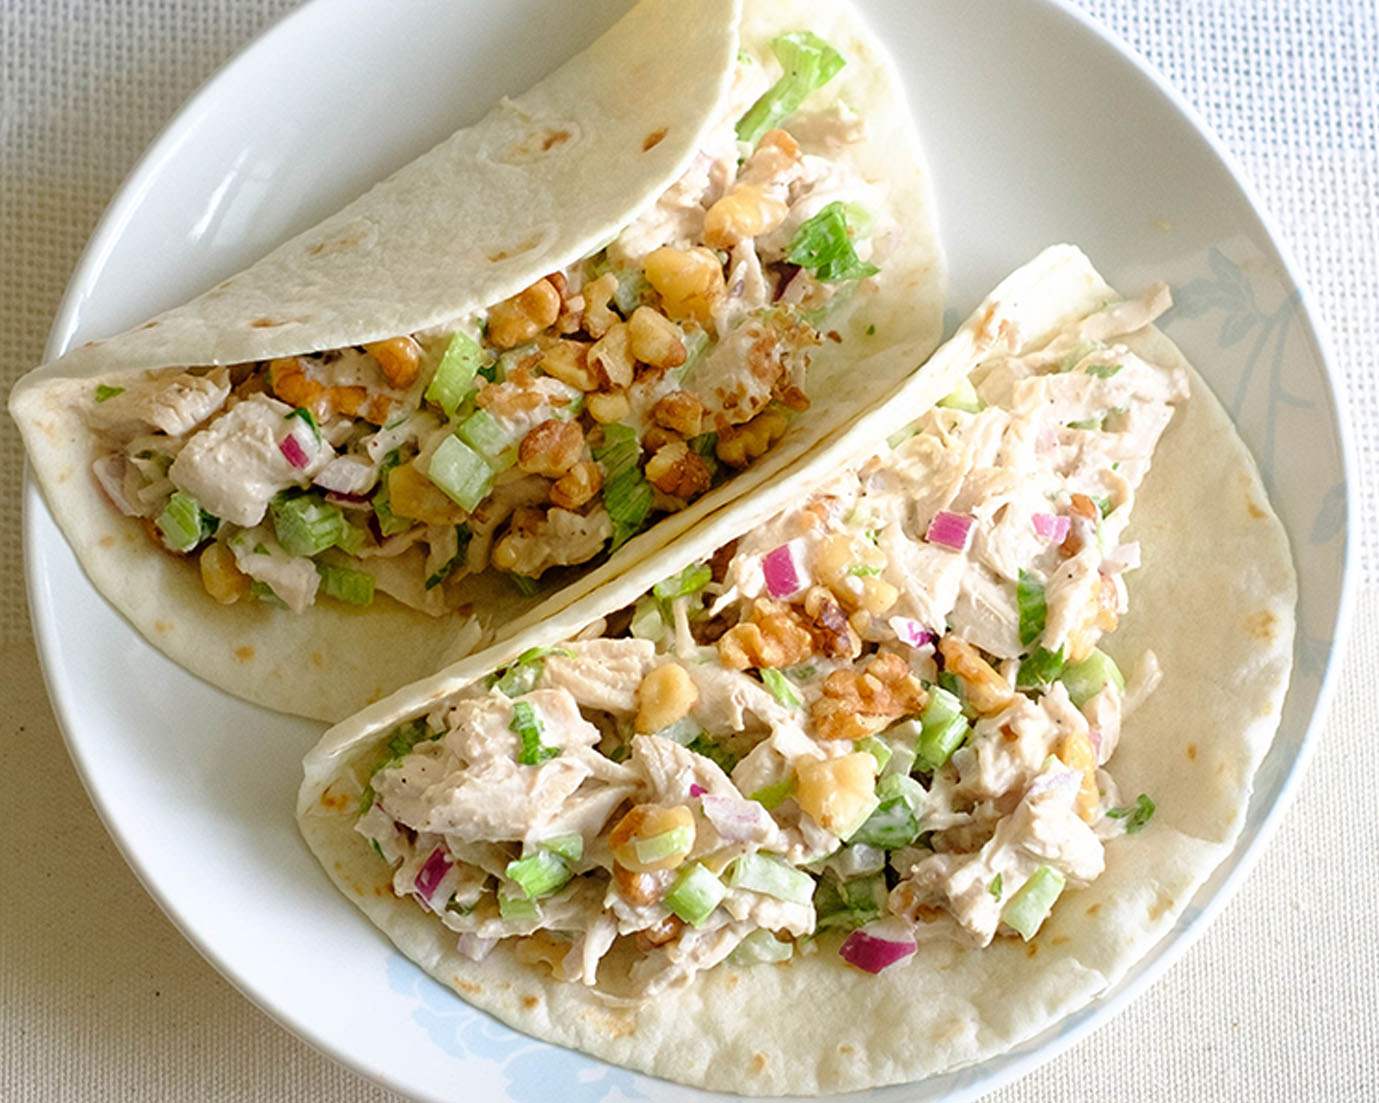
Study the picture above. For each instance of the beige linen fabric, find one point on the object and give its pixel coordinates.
(100, 998)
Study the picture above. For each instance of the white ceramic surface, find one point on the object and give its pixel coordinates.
(1038, 127)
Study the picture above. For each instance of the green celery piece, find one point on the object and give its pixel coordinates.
(695, 894)
(526, 585)
(943, 727)
(696, 343)
(781, 688)
(306, 525)
(761, 947)
(482, 432)
(678, 840)
(105, 392)
(528, 728)
(305, 416)
(1080, 353)
(771, 876)
(890, 827)
(1039, 669)
(1103, 371)
(569, 846)
(539, 873)
(461, 473)
(1026, 911)
(995, 887)
(516, 908)
(1087, 423)
(345, 584)
(771, 795)
(455, 373)
(809, 63)
(632, 287)
(648, 619)
(878, 749)
(180, 522)
(1029, 595)
(715, 752)
(1087, 679)
(823, 245)
(963, 397)
(689, 581)
(266, 594)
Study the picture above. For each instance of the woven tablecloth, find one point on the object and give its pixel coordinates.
(100, 997)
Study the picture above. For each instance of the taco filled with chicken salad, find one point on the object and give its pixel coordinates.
(513, 369)
(875, 775)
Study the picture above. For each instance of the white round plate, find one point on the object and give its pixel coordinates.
(1039, 128)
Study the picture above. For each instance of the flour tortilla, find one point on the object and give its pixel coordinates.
(1215, 601)
(520, 194)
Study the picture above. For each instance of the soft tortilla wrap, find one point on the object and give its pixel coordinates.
(1215, 600)
(498, 197)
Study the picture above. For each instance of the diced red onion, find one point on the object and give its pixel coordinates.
(910, 631)
(1047, 439)
(951, 530)
(784, 570)
(735, 819)
(1052, 527)
(432, 873)
(1094, 734)
(877, 946)
(110, 472)
(1065, 778)
(350, 501)
(296, 455)
(697, 790)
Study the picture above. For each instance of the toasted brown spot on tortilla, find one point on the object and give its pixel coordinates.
(609, 1023)
(731, 981)
(318, 660)
(344, 242)
(1059, 941)
(834, 336)
(846, 1050)
(467, 986)
(64, 475)
(1192, 751)
(149, 325)
(1031, 949)
(1261, 625)
(162, 626)
(376, 695)
(554, 138)
(527, 244)
(1254, 511)
(652, 140)
(758, 1062)
(265, 323)
(107, 541)
(1161, 904)
(381, 890)
(1094, 909)
(244, 653)
(336, 802)
(530, 1002)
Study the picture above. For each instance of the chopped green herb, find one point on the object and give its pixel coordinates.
(308, 419)
(463, 536)
(1087, 423)
(871, 330)
(528, 728)
(995, 887)
(689, 581)
(715, 752)
(389, 523)
(1039, 669)
(1103, 371)
(104, 392)
(809, 63)
(526, 585)
(823, 245)
(1104, 504)
(1135, 815)
(862, 571)
(780, 688)
(1029, 595)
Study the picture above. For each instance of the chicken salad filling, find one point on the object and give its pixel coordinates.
(884, 713)
(548, 429)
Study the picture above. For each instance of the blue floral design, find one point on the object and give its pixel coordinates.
(460, 1031)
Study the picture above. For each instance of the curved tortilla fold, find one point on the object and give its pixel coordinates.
(524, 192)
(1215, 600)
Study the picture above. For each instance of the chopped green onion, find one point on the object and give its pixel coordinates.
(305, 415)
(105, 392)
(528, 728)
(695, 894)
(519, 679)
(1030, 906)
(389, 523)
(771, 795)
(516, 908)
(943, 727)
(780, 688)
(455, 373)
(306, 525)
(539, 873)
(765, 874)
(1039, 669)
(483, 433)
(346, 584)
(1136, 815)
(963, 397)
(462, 538)
(809, 63)
(823, 245)
(181, 523)
(570, 846)
(689, 581)
(1029, 595)
(1086, 679)
(995, 887)
(461, 473)
(1103, 371)
(715, 752)
(761, 947)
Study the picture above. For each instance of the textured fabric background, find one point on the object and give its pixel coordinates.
(101, 999)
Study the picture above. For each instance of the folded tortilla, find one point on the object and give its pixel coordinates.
(1215, 601)
(520, 194)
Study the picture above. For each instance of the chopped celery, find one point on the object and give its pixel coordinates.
(444, 571)
(1080, 353)
(627, 495)
(765, 874)
(516, 908)
(823, 245)
(963, 397)
(684, 731)
(893, 824)
(1103, 371)
(1029, 595)
(809, 63)
(1039, 669)
(943, 727)
(648, 619)
(1087, 423)
(539, 873)
(345, 584)
(995, 887)
(266, 594)
(696, 343)
(482, 432)
(180, 522)
(715, 752)
(528, 728)
(780, 688)
(632, 287)
(1029, 907)
(771, 795)
(526, 585)
(455, 373)
(306, 525)
(695, 894)
(849, 904)
(1086, 679)
(569, 846)
(761, 947)
(878, 749)
(461, 473)
(678, 840)
(689, 581)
